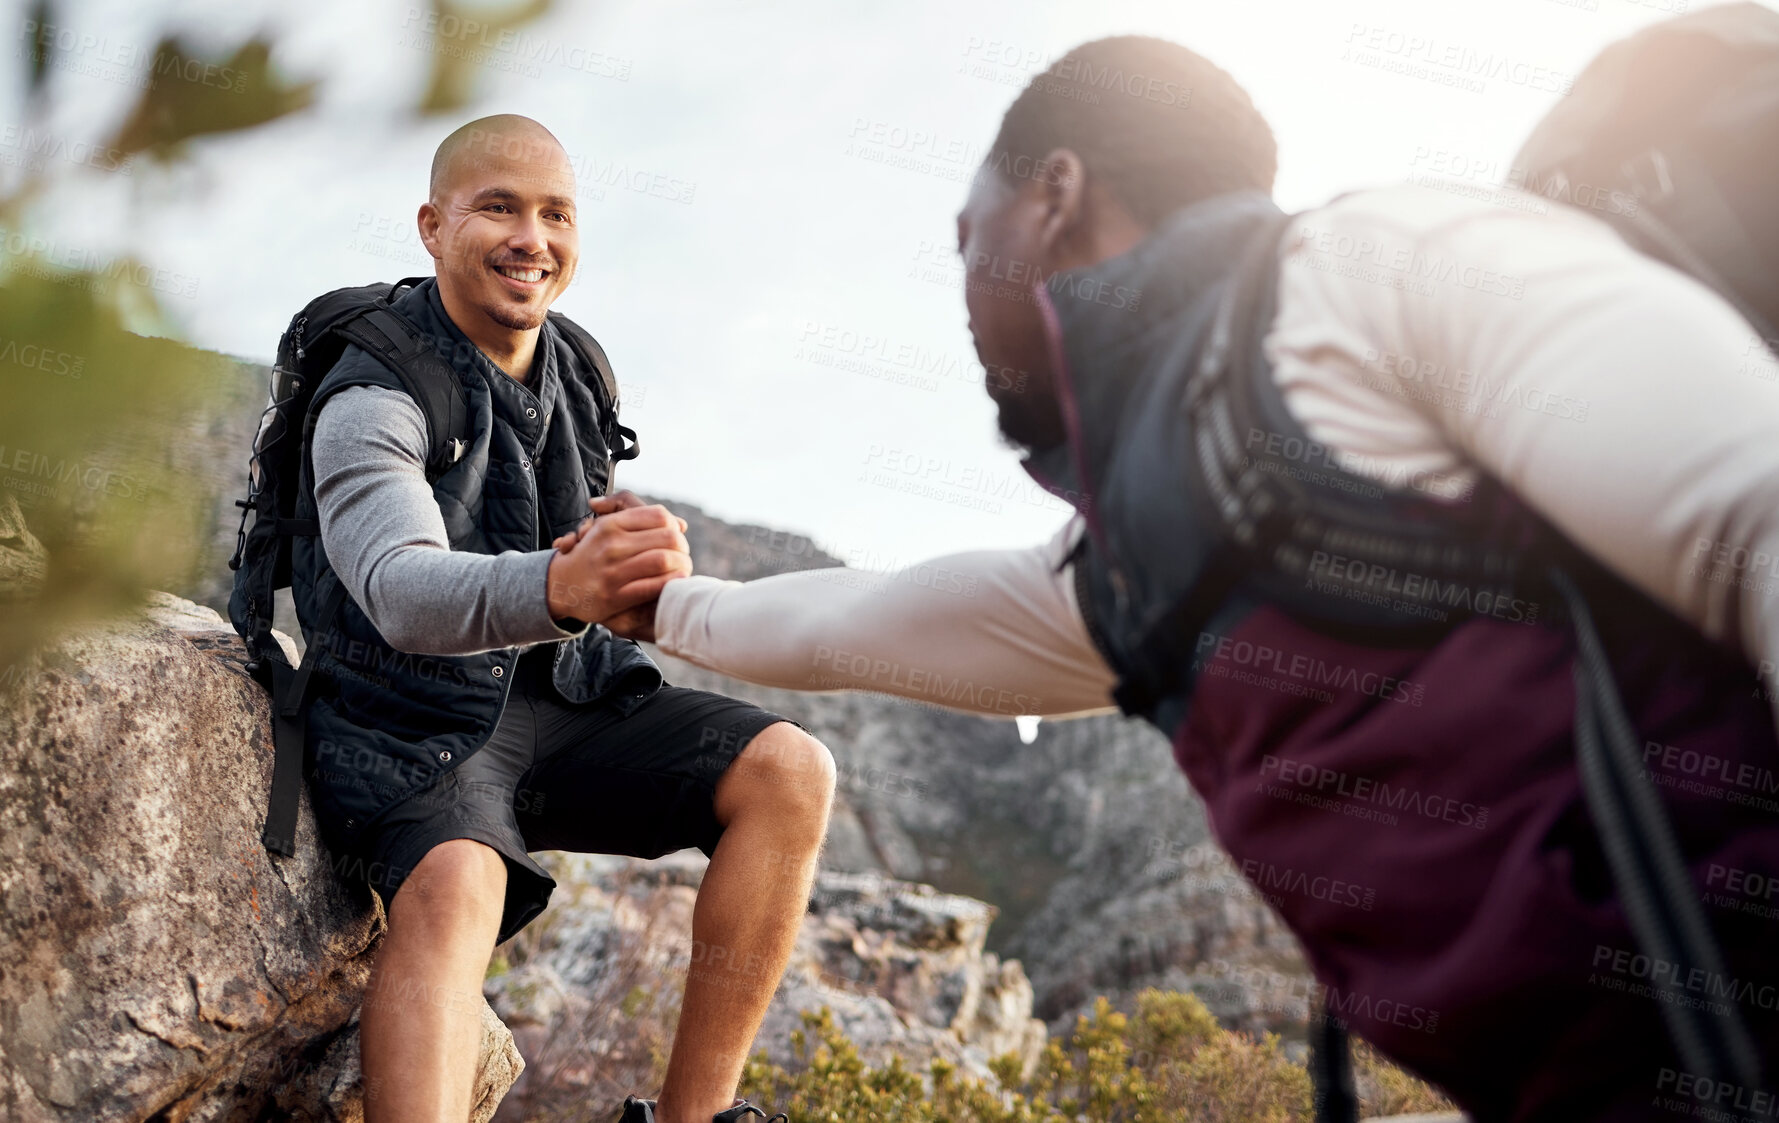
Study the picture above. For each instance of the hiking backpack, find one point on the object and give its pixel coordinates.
(1676, 124)
(364, 317)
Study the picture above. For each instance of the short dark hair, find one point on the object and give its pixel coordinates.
(1160, 126)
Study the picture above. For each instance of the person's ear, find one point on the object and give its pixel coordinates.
(428, 223)
(1062, 187)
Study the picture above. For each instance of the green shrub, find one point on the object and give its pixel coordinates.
(1169, 1060)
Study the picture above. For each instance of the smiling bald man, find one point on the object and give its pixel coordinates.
(476, 708)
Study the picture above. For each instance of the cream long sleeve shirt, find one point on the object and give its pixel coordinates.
(1421, 335)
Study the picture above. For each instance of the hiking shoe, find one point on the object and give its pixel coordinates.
(637, 1111)
(643, 1111)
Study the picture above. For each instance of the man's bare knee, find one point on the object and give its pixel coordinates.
(782, 771)
(458, 884)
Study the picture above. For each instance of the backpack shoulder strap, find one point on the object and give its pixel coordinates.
(393, 340)
(621, 439)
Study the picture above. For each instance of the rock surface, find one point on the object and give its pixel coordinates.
(23, 560)
(156, 963)
(901, 967)
(1088, 840)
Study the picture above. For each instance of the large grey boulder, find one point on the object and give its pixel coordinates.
(156, 963)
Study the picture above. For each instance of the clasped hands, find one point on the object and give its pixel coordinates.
(610, 568)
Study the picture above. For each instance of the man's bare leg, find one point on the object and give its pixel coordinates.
(773, 803)
(420, 1029)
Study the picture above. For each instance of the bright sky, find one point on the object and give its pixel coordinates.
(768, 194)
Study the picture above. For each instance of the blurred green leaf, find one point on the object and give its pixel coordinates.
(462, 37)
(100, 499)
(189, 96)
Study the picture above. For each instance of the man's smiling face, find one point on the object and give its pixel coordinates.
(501, 224)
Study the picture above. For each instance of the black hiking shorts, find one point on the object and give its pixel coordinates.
(582, 778)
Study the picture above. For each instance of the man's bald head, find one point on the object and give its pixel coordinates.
(504, 138)
(499, 222)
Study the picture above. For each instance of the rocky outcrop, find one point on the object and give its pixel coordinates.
(904, 970)
(23, 560)
(1088, 840)
(156, 963)
(1186, 921)
(900, 966)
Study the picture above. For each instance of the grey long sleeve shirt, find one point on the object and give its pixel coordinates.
(385, 538)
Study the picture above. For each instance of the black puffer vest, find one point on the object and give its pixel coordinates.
(382, 723)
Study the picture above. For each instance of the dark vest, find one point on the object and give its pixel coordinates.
(383, 723)
(1412, 810)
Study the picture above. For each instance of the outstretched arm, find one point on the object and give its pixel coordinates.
(989, 631)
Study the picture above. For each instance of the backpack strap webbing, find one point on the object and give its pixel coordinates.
(1331, 1069)
(290, 719)
(388, 336)
(1648, 868)
(620, 439)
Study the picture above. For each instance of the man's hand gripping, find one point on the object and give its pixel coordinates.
(610, 569)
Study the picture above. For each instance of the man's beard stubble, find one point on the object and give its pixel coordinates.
(1030, 420)
(519, 317)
